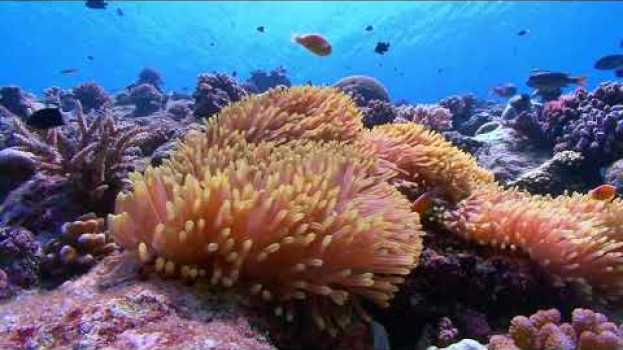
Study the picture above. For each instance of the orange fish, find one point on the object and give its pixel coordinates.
(315, 43)
(603, 193)
(423, 203)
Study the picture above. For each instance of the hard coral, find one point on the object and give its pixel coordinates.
(427, 159)
(377, 112)
(92, 155)
(363, 89)
(146, 98)
(433, 116)
(81, 244)
(261, 81)
(575, 238)
(213, 92)
(19, 259)
(150, 76)
(91, 96)
(292, 222)
(543, 330)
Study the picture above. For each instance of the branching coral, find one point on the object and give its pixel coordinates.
(79, 246)
(576, 238)
(299, 221)
(427, 159)
(433, 116)
(588, 330)
(92, 155)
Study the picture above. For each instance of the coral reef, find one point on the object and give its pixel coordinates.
(543, 330)
(146, 98)
(213, 92)
(180, 109)
(363, 89)
(19, 260)
(91, 96)
(149, 76)
(576, 239)
(92, 155)
(116, 311)
(433, 116)
(62, 98)
(81, 244)
(377, 112)
(461, 107)
(566, 171)
(261, 81)
(16, 100)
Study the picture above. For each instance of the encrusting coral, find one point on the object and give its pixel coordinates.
(575, 238)
(272, 198)
(588, 330)
(93, 156)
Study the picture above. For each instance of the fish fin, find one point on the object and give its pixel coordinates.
(295, 38)
(581, 80)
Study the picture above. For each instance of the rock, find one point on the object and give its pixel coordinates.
(15, 168)
(614, 175)
(508, 154)
(566, 171)
(114, 310)
(465, 344)
(474, 122)
(465, 143)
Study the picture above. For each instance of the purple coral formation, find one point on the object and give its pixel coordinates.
(261, 81)
(461, 106)
(543, 330)
(150, 76)
(146, 98)
(180, 109)
(215, 91)
(19, 260)
(433, 116)
(16, 101)
(363, 89)
(65, 99)
(377, 112)
(91, 96)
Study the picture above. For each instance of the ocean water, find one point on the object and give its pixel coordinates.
(436, 48)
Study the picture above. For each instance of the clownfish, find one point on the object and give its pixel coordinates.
(604, 192)
(315, 43)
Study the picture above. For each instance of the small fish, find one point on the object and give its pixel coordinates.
(315, 43)
(439, 70)
(234, 74)
(619, 73)
(609, 62)
(120, 12)
(621, 44)
(381, 47)
(423, 202)
(505, 90)
(369, 28)
(523, 32)
(45, 118)
(212, 44)
(605, 192)
(96, 4)
(70, 71)
(90, 58)
(550, 81)
(261, 29)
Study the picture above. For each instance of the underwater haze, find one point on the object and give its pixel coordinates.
(436, 48)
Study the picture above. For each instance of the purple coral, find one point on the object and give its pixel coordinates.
(150, 76)
(146, 98)
(215, 91)
(433, 116)
(180, 109)
(19, 259)
(377, 112)
(91, 95)
(461, 106)
(65, 99)
(543, 330)
(363, 89)
(14, 99)
(261, 81)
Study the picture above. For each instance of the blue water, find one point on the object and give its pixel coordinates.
(437, 49)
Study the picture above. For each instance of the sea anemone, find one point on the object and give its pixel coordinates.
(428, 160)
(301, 223)
(575, 238)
